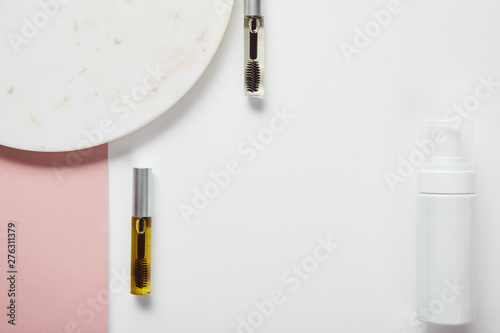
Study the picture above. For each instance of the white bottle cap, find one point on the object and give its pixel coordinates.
(447, 171)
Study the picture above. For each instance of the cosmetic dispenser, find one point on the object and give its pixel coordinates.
(445, 230)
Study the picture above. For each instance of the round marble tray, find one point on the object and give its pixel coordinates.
(76, 74)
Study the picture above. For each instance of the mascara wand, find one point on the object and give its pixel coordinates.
(254, 48)
(141, 271)
(140, 262)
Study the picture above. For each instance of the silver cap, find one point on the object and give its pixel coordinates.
(142, 192)
(254, 7)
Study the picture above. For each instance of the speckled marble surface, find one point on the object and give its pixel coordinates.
(76, 74)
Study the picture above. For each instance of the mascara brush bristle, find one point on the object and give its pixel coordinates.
(141, 273)
(252, 76)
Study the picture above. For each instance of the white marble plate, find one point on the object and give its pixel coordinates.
(75, 74)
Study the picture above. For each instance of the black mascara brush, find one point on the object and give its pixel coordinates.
(141, 269)
(252, 76)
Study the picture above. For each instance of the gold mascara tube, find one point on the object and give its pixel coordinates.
(140, 263)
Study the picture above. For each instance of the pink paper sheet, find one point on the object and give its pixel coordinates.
(58, 204)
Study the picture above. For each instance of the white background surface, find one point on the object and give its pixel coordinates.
(322, 176)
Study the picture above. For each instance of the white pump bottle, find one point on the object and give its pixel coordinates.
(445, 232)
